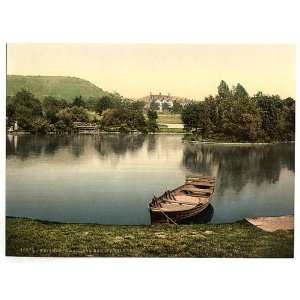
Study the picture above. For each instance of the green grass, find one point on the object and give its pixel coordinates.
(56, 86)
(168, 118)
(27, 237)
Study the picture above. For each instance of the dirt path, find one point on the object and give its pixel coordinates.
(273, 223)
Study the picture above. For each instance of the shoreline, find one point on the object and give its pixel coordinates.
(241, 143)
(29, 237)
(154, 133)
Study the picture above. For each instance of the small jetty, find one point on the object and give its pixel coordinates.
(273, 223)
(185, 201)
(85, 128)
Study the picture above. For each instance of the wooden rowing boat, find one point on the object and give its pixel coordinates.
(185, 201)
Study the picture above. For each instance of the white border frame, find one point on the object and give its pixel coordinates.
(141, 21)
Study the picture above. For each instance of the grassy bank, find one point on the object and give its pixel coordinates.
(26, 237)
(168, 118)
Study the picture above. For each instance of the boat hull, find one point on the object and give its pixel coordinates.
(203, 217)
(179, 215)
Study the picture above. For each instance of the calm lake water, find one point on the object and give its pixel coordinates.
(110, 179)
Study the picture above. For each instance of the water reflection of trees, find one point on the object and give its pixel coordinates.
(118, 144)
(29, 145)
(77, 145)
(152, 144)
(25, 146)
(235, 166)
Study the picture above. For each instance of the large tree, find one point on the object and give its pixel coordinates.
(152, 121)
(286, 125)
(10, 111)
(78, 101)
(270, 110)
(190, 116)
(103, 104)
(72, 114)
(25, 108)
(223, 89)
(52, 106)
(240, 91)
(242, 121)
(177, 107)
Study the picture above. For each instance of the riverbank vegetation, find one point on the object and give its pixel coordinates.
(27, 237)
(234, 116)
(230, 116)
(110, 112)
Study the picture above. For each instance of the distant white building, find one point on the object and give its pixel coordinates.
(165, 101)
(162, 101)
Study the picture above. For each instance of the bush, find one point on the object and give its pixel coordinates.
(39, 125)
(60, 125)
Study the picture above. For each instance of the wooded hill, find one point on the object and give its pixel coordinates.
(56, 86)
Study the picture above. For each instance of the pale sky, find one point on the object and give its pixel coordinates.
(185, 70)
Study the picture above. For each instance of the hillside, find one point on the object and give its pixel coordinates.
(57, 86)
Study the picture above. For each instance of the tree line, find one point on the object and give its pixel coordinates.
(233, 115)
(110, 112)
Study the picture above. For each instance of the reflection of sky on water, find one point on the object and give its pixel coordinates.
(111, 178)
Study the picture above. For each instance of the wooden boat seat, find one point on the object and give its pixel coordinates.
(196, 192)
(193, 187)
(190, 200)
(201, 181)
(202, 184)
(187, 198)
(200, 178)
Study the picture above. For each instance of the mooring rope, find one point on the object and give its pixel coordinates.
(167, 217)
